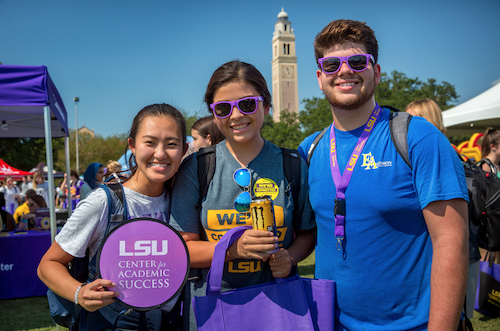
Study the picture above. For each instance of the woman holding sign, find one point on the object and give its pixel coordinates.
(157, 140)
(238, 97)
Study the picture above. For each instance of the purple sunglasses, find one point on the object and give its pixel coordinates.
(356, 62)
(246, 106)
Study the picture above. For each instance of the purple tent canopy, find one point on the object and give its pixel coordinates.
(31, 107)
(24, 92)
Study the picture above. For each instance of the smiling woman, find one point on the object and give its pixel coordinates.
(157, 140)
(239, 99)
(157, 150)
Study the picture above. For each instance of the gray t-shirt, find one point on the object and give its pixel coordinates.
(87, 225)
(217, 210)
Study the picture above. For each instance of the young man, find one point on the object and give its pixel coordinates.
(399, 254)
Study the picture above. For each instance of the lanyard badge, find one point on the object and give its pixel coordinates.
(342, 181)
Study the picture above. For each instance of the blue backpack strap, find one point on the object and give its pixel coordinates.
(117, 189)
(113, 216)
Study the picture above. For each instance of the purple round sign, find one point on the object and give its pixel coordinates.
(147, 259)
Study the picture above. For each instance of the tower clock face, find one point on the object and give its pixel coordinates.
(288, 72)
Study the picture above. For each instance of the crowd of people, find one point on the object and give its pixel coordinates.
(393, 235)
(21, 199)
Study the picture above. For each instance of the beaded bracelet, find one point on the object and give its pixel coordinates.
(76, 293)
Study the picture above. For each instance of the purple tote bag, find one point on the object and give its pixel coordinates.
(488, 289)
(320, 295)
(283, 304)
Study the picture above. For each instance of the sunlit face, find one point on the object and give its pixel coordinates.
(199, 141)
(158, 148)
(39, 179)
(33, 206)
(240, 128)
(346, 89)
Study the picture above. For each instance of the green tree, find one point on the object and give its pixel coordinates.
(398, 91)
(286, 132)
(92, 149)
(316, 115)
(189, 122)
(25, 153)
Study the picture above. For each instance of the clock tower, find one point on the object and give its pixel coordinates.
(284, 65)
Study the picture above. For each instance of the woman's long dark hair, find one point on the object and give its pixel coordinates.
(206, 126)
(237, 71)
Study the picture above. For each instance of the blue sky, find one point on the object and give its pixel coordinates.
(119, 56)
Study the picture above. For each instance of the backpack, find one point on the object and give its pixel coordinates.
(65, 312)
(398, 125)
(486, 206)
(493, 168)
(291, 168)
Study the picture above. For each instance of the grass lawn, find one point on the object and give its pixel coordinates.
(26, 314)
(33, 313)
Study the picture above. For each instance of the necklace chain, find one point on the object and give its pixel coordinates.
(136, 186)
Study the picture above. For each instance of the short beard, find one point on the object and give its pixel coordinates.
(354, 103)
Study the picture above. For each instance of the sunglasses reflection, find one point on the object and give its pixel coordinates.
(246, 105)
(355, 62)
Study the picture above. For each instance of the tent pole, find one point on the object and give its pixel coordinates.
(50, 173)
(68, 176)
(68, 193)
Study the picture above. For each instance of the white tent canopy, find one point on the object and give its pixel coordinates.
(474, 115)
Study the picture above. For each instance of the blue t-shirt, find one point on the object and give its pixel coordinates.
(383, 272)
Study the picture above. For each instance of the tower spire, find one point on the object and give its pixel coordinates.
(284, 66)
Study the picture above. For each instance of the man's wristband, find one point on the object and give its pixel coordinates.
(76, 293)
